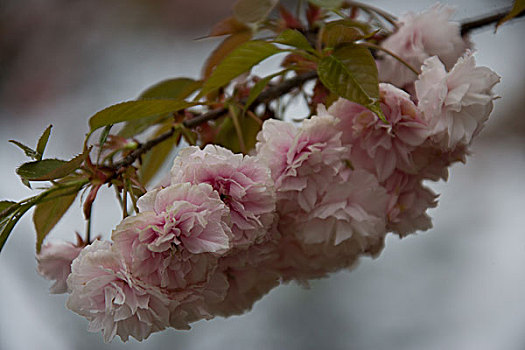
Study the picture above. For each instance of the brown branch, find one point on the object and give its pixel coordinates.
(286, 86)
(273, 92)
(471, 24)
(276, 91)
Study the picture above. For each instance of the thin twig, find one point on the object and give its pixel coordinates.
(387, 16)
(377, 47)
(471, 24)
(125, 202)
(267, 95)
(88, 229)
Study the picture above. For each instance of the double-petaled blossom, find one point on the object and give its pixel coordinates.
(243, 183)
(168, 241)
(354, 207)
(303, 160)
(327, 212)
(247, 281)
(408, 203)
(54, 263)
(114, 301)
(378, 146)
(348, 220)
(456, 104)
(418, 37)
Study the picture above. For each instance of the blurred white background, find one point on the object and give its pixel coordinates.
(461, 285)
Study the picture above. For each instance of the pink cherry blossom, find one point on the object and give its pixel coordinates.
(115, 302)
(408, 205)
(246, 285)
(433, 162)
(349, 220)
(54, 263)
(243, 182)
(248, 275)
(190, 304)
(301, 262)
(457, 104)
(378, 146)
(169, 241)
(355, 207)
(419, 36)
(303, 161)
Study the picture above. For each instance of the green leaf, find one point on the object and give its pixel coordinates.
(42, 142)
(153, 161)
(41, 146)
(253, 11)
(339, 32)
(239, 61)
(259, 87)
(27, 150)
(133, 110)
(189, 136)
(10, 216)
(137, 126)
(49, 169)
(327, 4)
(235, 116)
(227, 26)
(293, 37)
(178, 88)
(39, 169)
(517, 8)
(47, 214)
(228, 135)
(350, 72)
(104, 135)
(7, 224)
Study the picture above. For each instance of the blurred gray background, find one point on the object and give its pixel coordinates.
(460, 285)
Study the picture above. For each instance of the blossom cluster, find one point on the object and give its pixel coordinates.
(310, 200)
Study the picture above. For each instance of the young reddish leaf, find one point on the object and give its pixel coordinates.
(289, 20)
(239, 61)
(42, 142)
(517, 8)
(153, 161)
(253, 11)
(49, 169)
(224, 48)
(292, 37)
(227, 26)
(133, 110)
(47, 214)
(313, 13)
